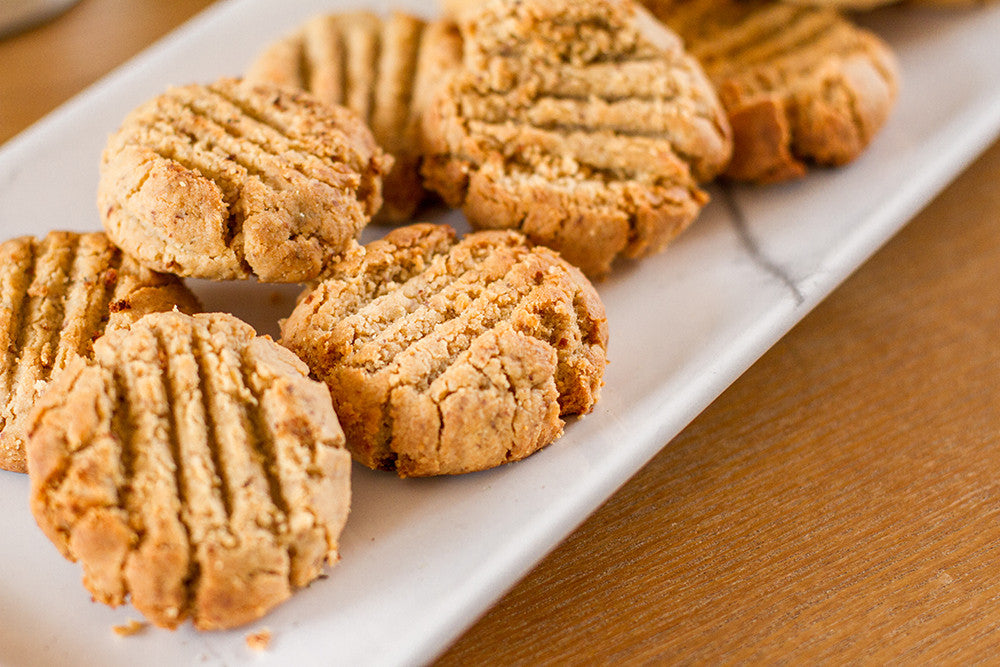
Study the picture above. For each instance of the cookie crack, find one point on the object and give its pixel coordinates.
(511, 390)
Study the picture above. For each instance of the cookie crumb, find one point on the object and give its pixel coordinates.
(133, 627)
(260, 640)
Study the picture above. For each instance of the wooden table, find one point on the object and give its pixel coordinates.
(840, 500)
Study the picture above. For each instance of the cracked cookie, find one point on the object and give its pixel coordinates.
(235, 180)
(446, 356)
(801, 84)
(380, 68)
(58, 295)
(583, 124)
(192, 467)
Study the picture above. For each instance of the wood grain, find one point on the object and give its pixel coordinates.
(840, 501)
(46, 65)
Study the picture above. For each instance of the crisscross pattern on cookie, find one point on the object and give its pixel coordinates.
(447, 356)
(231, 180)
(58, 295)
(815, 84)
(194, 468)
(575, 113)
(381, 68)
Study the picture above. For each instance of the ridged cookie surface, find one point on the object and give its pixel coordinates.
(233, 180)
(191, 467)
(447, 356)
(381, 68)
(583, 124)
(58, 295)
(801, 84)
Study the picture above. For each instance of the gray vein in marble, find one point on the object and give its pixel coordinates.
(748, 241)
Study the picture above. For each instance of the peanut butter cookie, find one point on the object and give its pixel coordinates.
(447, 356)
(801, 84)
(581, 123)
(191, 467)
(234, 180)
(381, 68)
(58, 295)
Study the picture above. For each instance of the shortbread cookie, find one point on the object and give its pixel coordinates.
(232, 180)
(381, 68)
(191, 467)
(58, 295)
(801, 84)
(447, 356)
(582, 123)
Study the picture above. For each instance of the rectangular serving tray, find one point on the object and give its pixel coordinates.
(423, 558)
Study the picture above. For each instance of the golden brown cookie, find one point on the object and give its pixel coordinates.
(381, 68)
(58, 295)
(801, 84)
(583, 124)
(192, 467)
(232, 180)
(447, 356)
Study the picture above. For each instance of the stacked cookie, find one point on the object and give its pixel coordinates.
(57, 296)
(203, 472)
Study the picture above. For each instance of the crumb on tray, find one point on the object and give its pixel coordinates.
(259, 640)
(133, 627)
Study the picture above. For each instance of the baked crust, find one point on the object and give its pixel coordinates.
(446, 356)
(802, 85)
(57, 296)
(584, 125)
(236, 180)
(191, 467)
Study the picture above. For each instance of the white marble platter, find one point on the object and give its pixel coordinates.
(423, 558)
